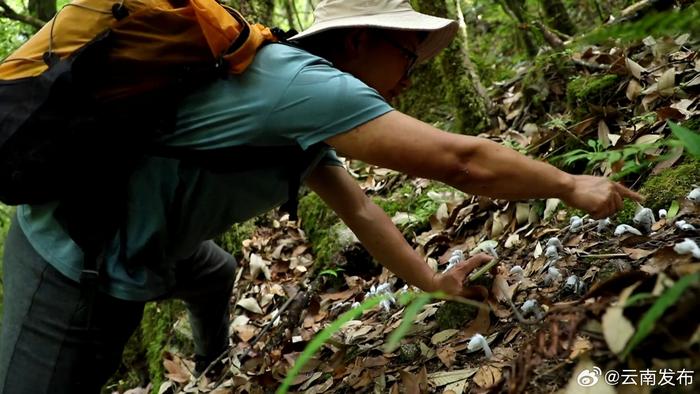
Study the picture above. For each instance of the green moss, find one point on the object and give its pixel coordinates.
(675, 183)
(662, 189)
(471, 114)
(454, 315)
(426, 98)
(232, 240)
(158, 335)
(593, 89)
(420, 207)
(316, 217)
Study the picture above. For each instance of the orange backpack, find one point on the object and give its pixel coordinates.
(85, 96)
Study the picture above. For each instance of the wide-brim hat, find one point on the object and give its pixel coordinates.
(383, 14)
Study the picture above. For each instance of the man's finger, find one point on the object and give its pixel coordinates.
(474, 262)
(625, 192)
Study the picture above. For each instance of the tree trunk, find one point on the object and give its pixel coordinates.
(42, 9)
(459, 81)
(558, 17)
(515, 8)
(255, 11)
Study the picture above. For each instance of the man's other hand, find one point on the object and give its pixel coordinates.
(454, 281)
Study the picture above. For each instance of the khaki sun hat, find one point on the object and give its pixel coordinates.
(386, 14)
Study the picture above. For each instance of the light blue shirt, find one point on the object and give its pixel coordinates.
(286, 97)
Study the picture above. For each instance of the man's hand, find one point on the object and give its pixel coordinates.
(453, 281)
(598, 196)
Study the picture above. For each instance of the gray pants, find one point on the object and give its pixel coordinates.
(45, 345)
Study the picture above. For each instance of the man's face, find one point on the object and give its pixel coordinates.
(386, 60)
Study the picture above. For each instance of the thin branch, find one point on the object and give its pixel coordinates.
(7, 12)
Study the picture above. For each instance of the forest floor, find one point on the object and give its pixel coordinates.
(617, 309)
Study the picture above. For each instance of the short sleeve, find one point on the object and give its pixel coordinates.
(322, 101)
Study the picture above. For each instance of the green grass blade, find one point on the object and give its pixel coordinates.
(666, 300)
(322, 337)
(409, 315)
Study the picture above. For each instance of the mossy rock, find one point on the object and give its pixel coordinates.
(454, 315)
(662, 189)
(409, 353)
(232, 240)
(142, 359)
(595, 89)
(419, 207)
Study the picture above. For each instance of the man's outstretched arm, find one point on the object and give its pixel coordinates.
(380, 236)
(474, 165)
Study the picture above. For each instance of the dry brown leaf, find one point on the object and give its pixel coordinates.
(634, 89)
(250, 304)
(667, 82)
(321, 388)
(664, 258)
(617, 330)
(439, 379)
(456, 387)
(581, 345)
(371, 362)
(487, 376)
(480, 324)
(443, 336)
(175, 371)
(340, 296)
(634, 68)
(447, 355)
(636, 254)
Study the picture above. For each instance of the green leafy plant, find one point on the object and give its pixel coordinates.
(666, 300)
(689, 139)
(633, 158)
(331, 272)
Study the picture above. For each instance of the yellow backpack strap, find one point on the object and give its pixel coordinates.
(229, 35)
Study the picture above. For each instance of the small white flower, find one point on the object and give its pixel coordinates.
(625, 228)
(603, 224)
(685, 226)
(644, 219)
(528, 307)
(662, 213)
(688, 246)
(383, 290)
(553, 275)
(456, 258)
(517, 272)
(574, 284)
(478, 342)
(575, 224)
(694, 195)
(554, 241)
(551, 253)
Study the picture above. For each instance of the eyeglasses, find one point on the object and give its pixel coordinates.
(410, 55)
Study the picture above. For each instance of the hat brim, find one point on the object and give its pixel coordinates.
(440, 31)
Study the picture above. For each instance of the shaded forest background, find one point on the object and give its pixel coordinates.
(537, 75)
